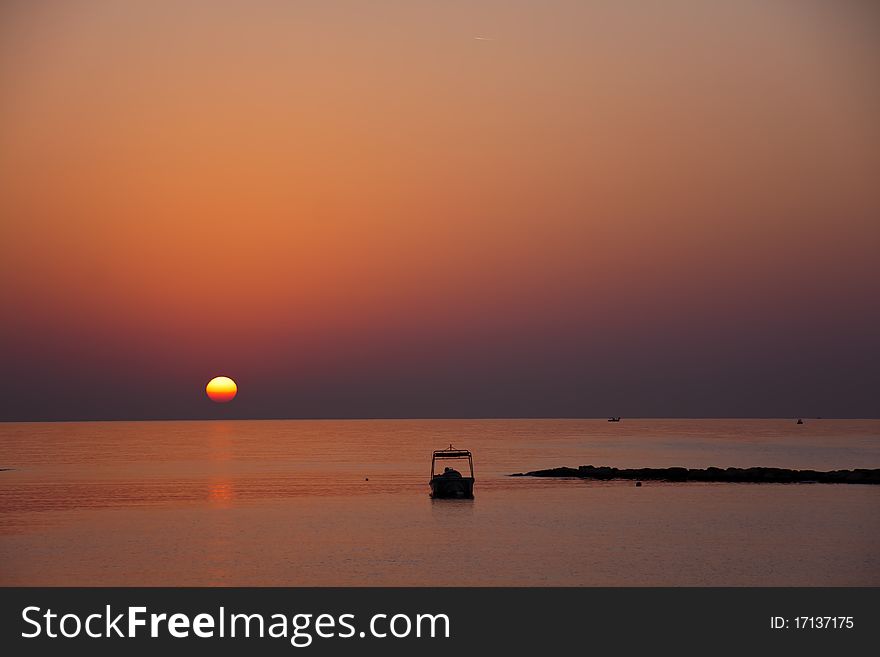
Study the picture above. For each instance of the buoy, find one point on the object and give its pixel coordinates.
(366, 478)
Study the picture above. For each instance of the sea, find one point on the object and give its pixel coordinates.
(346, 503)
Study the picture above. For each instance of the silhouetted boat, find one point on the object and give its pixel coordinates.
(450, 482)
(800, 421)
(614, 419)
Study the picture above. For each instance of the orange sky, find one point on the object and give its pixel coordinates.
(293, 189)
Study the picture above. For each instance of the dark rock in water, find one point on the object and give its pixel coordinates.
(732, 475)
(552, 472)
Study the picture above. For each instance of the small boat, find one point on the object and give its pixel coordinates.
(800, 421)
(614, 419)
(450, 483)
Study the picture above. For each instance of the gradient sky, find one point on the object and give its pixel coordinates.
(361, 209)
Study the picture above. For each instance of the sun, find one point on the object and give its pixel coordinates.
(221, 389)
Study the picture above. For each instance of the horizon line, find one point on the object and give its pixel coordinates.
(439, 419)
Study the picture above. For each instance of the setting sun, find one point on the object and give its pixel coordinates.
(221, 389)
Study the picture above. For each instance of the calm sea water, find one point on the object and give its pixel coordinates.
(294, 503)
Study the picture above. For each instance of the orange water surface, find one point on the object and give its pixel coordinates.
(346, 503)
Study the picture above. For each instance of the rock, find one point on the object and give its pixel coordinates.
(712, 474)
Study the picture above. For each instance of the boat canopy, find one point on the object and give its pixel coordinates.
(452, 454)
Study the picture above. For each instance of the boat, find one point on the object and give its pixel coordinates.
(614, 419)
(800, 421)
(450, 483)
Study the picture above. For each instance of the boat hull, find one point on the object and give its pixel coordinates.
(452, 488)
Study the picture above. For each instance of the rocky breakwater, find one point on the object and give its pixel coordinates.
(730, 475)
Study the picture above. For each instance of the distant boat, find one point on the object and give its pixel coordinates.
(614, 419)
(800, 421)
(450, 482)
